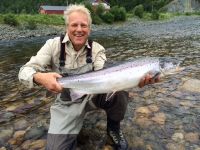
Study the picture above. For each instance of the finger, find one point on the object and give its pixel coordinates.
(147, 79)
(141, 84)
(152, 81)
(58, 87)
(57, 75)
(55, 92)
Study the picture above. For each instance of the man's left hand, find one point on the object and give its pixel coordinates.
(148, 79)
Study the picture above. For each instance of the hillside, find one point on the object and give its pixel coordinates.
(182, 6)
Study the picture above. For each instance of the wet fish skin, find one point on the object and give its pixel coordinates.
(121, 77)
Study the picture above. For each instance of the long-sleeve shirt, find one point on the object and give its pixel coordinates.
(48, 58)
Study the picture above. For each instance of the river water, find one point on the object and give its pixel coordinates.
(160, 116)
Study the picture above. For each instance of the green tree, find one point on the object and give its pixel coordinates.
(119, 13)
(108, 17)
(11, 20)
(139, 10)
(100, 10)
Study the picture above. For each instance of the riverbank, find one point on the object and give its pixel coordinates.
(163, 116)
(11, 33)
(176, 27)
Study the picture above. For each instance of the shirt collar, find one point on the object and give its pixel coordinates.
(67, 40)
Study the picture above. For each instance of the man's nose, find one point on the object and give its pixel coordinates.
(79, 27)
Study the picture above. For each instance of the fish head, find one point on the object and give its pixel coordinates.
(169, 66)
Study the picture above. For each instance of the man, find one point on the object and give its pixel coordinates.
(79, 56)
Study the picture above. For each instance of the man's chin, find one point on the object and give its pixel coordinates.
(79, 43)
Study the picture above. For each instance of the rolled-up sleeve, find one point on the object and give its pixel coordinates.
(100, 57)
(37, 63)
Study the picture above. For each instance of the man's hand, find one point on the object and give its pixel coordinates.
(49, 81)
(148, 79)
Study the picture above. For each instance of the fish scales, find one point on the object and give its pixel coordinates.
(124, 76)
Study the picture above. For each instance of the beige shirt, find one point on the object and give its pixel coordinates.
(48, 58)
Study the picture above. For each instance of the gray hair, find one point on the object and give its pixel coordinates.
(77, 8)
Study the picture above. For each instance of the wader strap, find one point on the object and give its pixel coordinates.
(89, 52)
(62, 52)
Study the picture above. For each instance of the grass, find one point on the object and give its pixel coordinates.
(59, 20)
(37, 18)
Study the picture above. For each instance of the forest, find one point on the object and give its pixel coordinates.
(32, 6)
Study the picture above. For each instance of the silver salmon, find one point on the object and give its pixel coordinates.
(124, 76)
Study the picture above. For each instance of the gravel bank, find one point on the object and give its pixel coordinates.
(177, 27)
(10, 33)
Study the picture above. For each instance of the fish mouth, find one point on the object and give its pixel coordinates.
(179, 68)
(175, 70)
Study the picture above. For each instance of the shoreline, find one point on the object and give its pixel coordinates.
(8, 33)
(177, 26)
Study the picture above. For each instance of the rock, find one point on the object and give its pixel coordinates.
(186, 104)
(148, 93)
(153, 108)
(11, 108)
(107, 147)
(26, 145)
(38, 144)
(132, 94)
(20, 124)
(35, 133)
(143, 122)
(5, 135)
(17, 138)
(175, 146)
(137, 142)
(178, 137)
(143, 112)
(192, 137)
(192, 85)
(6, 116)
(149, 147)
(101, 124)
(179, 6)
(14, 106)
(159, 118)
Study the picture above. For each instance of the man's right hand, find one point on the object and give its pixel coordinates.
(49, 81)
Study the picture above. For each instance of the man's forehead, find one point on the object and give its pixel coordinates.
(77, 17)
(77, 13)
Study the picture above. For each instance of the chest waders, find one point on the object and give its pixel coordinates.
(65, 95)
(67, 116)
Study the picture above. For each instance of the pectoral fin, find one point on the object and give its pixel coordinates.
(75, 95)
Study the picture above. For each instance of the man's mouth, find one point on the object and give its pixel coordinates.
(79, 35)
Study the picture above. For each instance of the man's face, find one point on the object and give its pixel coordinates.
(78, 29)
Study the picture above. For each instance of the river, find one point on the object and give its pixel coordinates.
(161, 116)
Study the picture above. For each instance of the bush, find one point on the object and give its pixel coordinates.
(163, 16)
(119, 13)
(89, 7)
(11, 20)
(155, 15)
(139, 10)
(96, 19)
(100, 10)
(108, 17)
(31, 25)
(188, 13)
